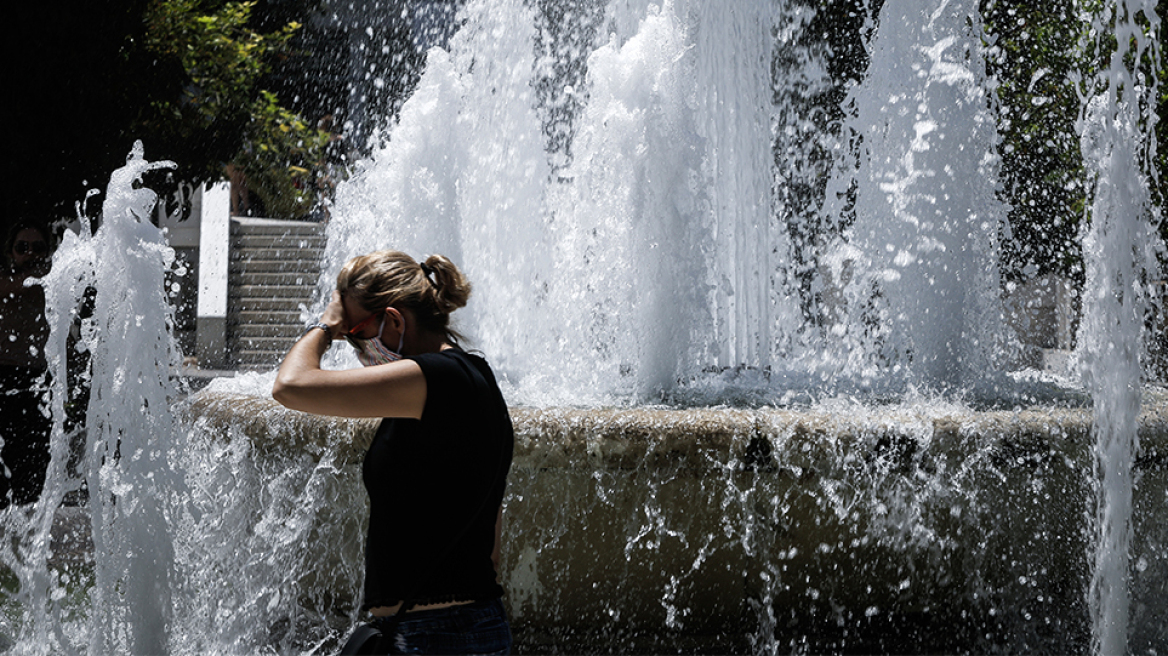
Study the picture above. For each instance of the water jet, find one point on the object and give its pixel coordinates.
(701, 466)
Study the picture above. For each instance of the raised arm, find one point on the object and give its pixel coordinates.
(396, 389)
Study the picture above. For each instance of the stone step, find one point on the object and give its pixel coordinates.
(308, 267)
(263, 363)
(246, 241)
(250, 331)
(236, 306)
(268, 317)
(276, 345)
(283, 254)
(273, 291)
(254, 226)
(305, 281)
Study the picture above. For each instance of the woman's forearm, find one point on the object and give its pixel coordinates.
(294, 378)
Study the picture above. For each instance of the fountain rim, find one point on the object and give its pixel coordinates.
(701, 438)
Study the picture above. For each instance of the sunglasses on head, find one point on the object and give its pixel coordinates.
(34, 247)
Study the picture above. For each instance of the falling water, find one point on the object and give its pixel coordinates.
(135, 495)
(649, 246)
(647, 252)
(927, 213)
(635, 255)
(1120, 247)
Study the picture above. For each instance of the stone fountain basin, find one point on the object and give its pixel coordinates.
(848, 528)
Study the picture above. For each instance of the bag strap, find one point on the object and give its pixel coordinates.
(364, 641)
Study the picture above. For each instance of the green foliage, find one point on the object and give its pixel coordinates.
(222, 107)
(1037, 57)
(1046, 61)
(283, 158)
(222, 57)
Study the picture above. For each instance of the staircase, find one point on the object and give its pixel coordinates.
(273, 271)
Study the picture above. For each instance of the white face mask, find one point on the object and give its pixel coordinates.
(373, 351)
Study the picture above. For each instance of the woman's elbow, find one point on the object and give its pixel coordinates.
(278, 392)
(284, 391)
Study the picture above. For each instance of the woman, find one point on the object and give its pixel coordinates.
(436, 468)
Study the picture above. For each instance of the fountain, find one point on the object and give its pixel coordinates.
(134, 491)
(699, 465)
(1119, 252)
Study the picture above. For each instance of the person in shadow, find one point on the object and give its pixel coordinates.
(24, 426)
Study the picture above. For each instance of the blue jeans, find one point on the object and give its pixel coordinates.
(478, 628)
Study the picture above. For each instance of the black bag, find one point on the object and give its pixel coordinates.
(365, 640)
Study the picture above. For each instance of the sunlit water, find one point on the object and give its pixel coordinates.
(649, 247)
(612, 195)
(136, 495)
(1120, 249)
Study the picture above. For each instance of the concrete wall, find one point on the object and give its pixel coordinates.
(1042, 312)
(183, 279)
(214, 247)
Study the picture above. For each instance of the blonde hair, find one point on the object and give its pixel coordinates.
(431, 290)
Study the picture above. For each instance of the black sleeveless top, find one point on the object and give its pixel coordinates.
(435, 485)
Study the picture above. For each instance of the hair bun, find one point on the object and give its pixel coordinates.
(451, 287)
(429, 273)
(432, 289)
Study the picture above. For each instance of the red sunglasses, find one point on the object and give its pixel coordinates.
(365, 322)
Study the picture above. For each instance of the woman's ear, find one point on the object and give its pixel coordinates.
(396, 320)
